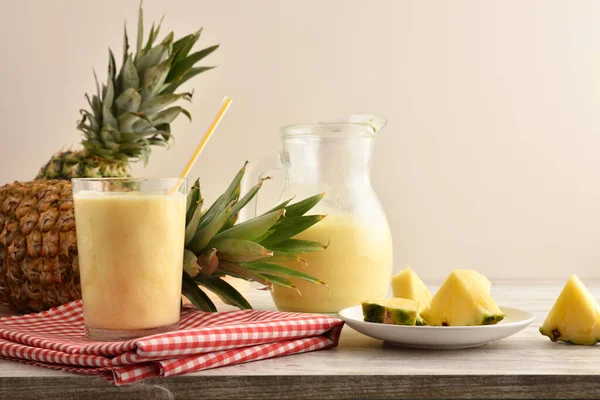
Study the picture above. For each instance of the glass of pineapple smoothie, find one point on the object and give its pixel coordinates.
(130, 238)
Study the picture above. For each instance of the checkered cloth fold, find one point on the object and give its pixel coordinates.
(56, 339)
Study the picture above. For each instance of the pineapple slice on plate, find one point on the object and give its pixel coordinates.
(575, 317)
(407, 284)
(463, 300)
(394, 311)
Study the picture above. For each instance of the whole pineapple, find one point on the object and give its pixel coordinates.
(134, 109)
(38, 249)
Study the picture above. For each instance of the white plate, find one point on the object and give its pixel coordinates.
(439, 337)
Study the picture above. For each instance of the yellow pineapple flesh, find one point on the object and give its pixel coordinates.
(463, 300)
(407, 284)
(575, 316)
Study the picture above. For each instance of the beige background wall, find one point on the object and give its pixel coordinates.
(491, 159)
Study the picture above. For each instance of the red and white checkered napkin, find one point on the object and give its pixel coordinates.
(56, 339)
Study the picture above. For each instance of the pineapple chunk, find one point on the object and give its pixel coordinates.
(575, 317)
(407, 284)
(463, 300)
(391, 311)
(373, 311)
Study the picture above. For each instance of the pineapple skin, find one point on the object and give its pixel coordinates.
(397, 316)
(575, 316)
(38, 247)
(373, 312)
(393, 311)
(81, 164)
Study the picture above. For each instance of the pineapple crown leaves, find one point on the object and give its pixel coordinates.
(253, 250)
(133, 110)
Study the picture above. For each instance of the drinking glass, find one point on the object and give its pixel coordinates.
(130, 239)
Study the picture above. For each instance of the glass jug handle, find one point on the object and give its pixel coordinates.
(255, 171)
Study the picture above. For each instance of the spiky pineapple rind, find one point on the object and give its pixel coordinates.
(80, 164)
(391, 311)
(555, 335)
(492, 319)
(373, 312)
(38, 250)
(397, 316)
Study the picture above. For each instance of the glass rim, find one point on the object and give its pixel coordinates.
(124, 178)
(342, 129)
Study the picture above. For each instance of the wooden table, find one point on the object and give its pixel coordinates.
(526, 365)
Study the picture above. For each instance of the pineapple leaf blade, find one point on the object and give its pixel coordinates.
(253, 228)
(227, 293)
(239, 205)
(153, 34)
(230, 195)
(193, 198)
(239, 250)
(302, 207)
(140, 29)
(281, 205)
(289, 227)
(279, 281)
(192, 225)
(128, 101)
(182, 47)
(153, 79)
(196, 295)
(237, 271)
(129, 77)
(153, 57)
(279, 270)
(208, 262)
(159, 102)
(190, 263)
(296, 246)
(182, 67)
(171, 87)
(278, 257)
(206, 233)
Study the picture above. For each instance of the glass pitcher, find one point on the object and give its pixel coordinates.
(334, 158)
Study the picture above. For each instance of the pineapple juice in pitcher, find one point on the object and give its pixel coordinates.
(335, 158)
(356, 265)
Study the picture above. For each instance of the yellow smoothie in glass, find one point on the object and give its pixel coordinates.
(356, 266)
(130, 247)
